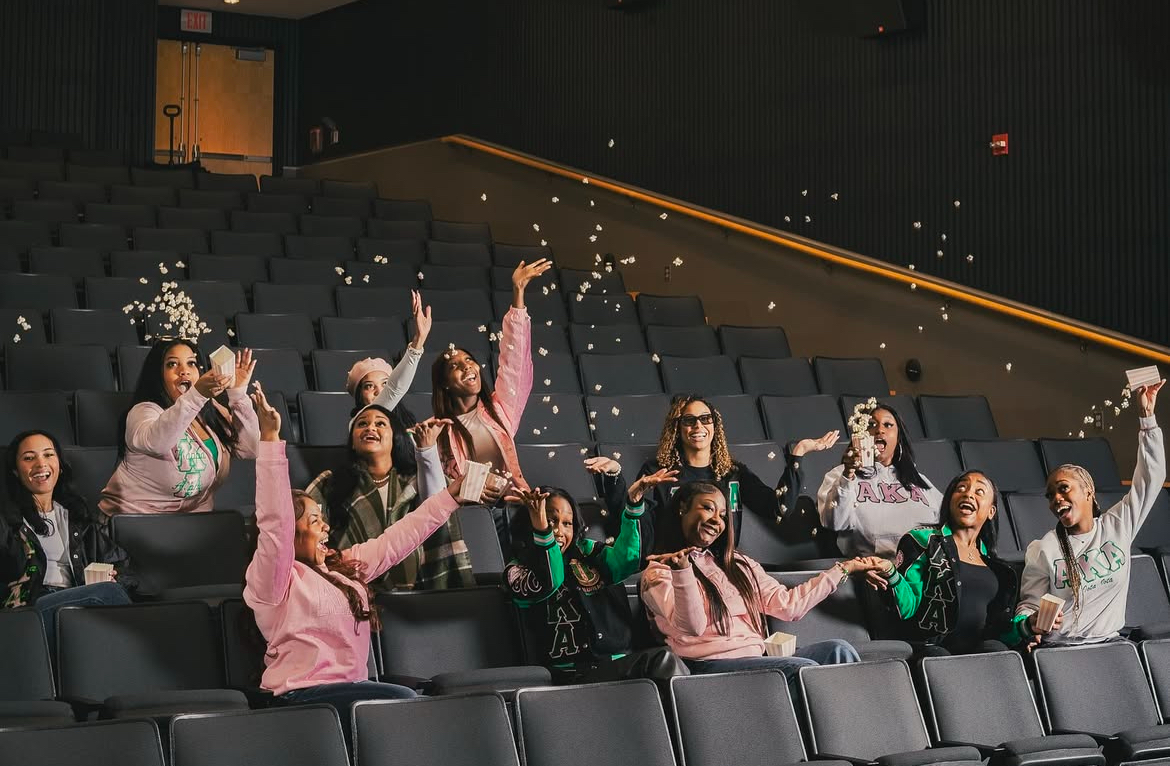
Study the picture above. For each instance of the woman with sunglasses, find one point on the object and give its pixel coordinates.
(692, 448)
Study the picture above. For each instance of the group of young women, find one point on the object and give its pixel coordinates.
(384, 520)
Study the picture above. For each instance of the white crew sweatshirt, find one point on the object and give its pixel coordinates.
(1102, 555)
(874, 510)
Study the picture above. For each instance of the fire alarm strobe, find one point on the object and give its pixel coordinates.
(999, 144)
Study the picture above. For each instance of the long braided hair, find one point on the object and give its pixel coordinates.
(1070, 564)
(732, 562)
(670, 452)
(351, 569)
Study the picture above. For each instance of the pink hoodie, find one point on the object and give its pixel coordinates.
(167, 468)
(513, 385)
(677, 604)
(312, 636)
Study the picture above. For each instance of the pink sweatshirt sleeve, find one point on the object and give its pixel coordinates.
(270, 573)
(245, 422)
(791, 604)
(155, 431)
(514, 377)
(674, 598)
(403, 536)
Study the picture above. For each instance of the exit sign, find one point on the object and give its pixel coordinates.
(195, 21)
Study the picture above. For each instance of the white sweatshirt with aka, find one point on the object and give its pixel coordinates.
(875, 510)
(1102, 555)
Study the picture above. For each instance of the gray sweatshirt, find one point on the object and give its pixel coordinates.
(1102, 555)
(874, 510)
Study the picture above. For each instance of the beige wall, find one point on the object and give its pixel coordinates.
(829, 311)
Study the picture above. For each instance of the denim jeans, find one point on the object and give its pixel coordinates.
(98, 594)
(342, 696)
(831, 652)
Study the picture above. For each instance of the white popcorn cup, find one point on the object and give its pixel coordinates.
(1050, 606)
(780, 645)
(95, 573)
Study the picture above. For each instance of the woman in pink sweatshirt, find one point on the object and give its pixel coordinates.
(484, 420)
(178, 438)
(711, 601)
(312, 603)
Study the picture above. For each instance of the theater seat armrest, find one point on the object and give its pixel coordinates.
(961, 754)
(985, 750)
(83, 708)
(830, 757)
(418, 683)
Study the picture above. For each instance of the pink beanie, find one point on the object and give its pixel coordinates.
(364, 368)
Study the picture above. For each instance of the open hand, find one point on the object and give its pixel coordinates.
(245, 366)
(535, 501)
(211, 384)
(525, 273)
(804, 446)
(422, 320)
(267, 415)
(602, 465)
(639, 487)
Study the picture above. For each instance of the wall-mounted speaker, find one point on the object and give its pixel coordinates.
(863, 18)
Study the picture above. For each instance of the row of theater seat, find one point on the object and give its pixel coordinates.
(182, 178)
(399, 242)
(193, 208)
(976, 706)
(45, 291)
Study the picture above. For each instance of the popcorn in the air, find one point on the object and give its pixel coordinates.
(544, 243)
(366, 278)
(610, 143)
(1008, 366)
(556, 200)
(771, 305)
(597, 387)
(536, 432)
(544, 290)
(942, 237)
(556, 410)
(542, 351)
(547, 382)
(882, 345)
(771, 455)
(584, 180)
(592, 237)
(835, 196)
(957, 203)
(483, 196)
(970, 258)
(808, 219)
(804, 193)
(481, 328)
(787, 219)
(616, 411)
(348, 279)
(420, 276)
(536, 227)
(617, 456)
(657, 359)
(939, 253)
(142, 280)
(339, 270)
(918, 224)
(677, 261)
(552, 453)
(663, 216)
(598, 227)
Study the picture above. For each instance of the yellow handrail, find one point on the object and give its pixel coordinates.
(854, 261)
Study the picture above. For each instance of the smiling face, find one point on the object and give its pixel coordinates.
(38, 466)
(372, 434)
(972, 502)
(371, 386)
(311, 541)
(705, 519)
(884, 430)
(696, 427)
(180, 370)
(560, 518)
(461, 374)
(1070, 501)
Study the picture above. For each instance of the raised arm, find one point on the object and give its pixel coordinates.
(1150, 471)
(403, 536)
(431, 478)
(154, 431)
(244, 420)
(270, 573)
(624, 557)
(539, 568)
(836, 499)
(514, 378)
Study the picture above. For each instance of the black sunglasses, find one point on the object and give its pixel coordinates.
(690, 421)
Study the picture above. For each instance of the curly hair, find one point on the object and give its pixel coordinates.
(670, 449)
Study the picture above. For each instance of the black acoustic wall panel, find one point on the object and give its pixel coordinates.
(742, 106)
(80, 66)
